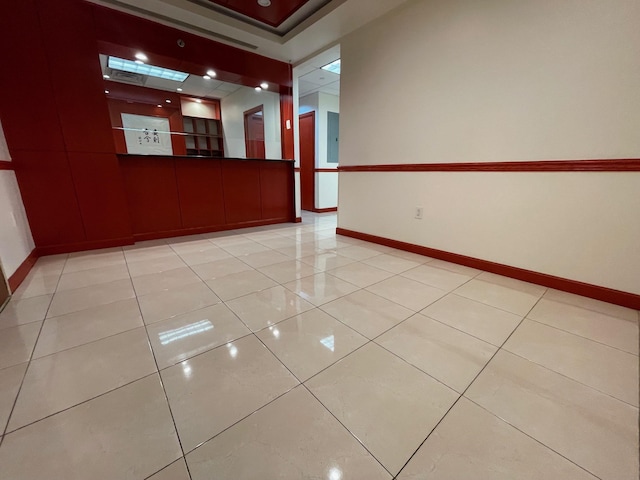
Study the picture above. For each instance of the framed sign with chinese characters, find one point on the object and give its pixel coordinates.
(147, 135)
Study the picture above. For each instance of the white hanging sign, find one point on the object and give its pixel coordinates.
(147, 135)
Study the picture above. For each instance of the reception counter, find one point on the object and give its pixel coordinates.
(181, 195)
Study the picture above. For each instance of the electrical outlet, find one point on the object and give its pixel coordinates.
(418, 214)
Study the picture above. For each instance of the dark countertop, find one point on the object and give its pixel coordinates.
(136, 155)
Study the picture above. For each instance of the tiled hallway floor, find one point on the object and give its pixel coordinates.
(290, 352)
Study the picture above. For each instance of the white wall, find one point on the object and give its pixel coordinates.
(16, 242)
(326, 182)
(501, 80)
(232, 111)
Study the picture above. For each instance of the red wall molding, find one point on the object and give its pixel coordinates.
(612, 165)
(298, 220)
(618, 297)
(23, 270)
(4, 165)
(326, 170)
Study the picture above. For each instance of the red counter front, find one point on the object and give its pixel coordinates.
(171, 196)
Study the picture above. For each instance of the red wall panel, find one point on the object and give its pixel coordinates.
(200, 190)
(276, 190)
(241, 180)
(56, 121)
(152, 193)
(49, 197)
(100, 190)
(196, 56)
(27, 106)
(67, 26)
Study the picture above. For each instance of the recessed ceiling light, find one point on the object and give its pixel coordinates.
(264, 3)
(258, 89)
(105, 76)
(198, 100)
(264, 85)
(151, 70)
(160, 106)
(141, 56)
(206, 77)
(178, 89)
(106, 91)
(333, 67)
(211, 73)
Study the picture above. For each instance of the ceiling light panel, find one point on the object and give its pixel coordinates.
(333, 67)
(143, 69)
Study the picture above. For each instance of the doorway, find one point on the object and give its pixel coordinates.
(254, 132)
(307, 160)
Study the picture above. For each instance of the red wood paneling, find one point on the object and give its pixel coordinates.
(49, 197)
(152, 193)
(56, 119)
(276, 190)
(307, 160)
(199, 54)
(200, 191)
(625, 299)
(606, 165)
(67, 26)
(241, 180)
(27, 106)
(103, 205)
(273, 15)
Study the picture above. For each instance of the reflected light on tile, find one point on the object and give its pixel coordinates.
(335, 474)
(329, 342)
(233, 351)
(186, 369)
(192, 329)
(275, 331)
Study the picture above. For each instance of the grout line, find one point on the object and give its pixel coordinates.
(569, 378)
(581, 336)
(465, 390)
(155, 360)
(33, 348)
(533, 438)
(303, 385)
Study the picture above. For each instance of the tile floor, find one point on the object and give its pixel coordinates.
(290, 352)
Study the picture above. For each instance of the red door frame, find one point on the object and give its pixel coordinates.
(308, 160)
(254, 148)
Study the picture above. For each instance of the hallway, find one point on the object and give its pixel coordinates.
(288, 351)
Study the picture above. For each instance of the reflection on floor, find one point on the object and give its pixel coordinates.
(290, 352)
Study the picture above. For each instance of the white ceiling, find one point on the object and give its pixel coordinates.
(320, 31)
(311, 77)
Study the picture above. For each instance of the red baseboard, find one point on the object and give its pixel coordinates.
(195, 231)
(608, 295)
(325, 210)
(298, 220)
(83, 246)
(6, 165)
(23, 270)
